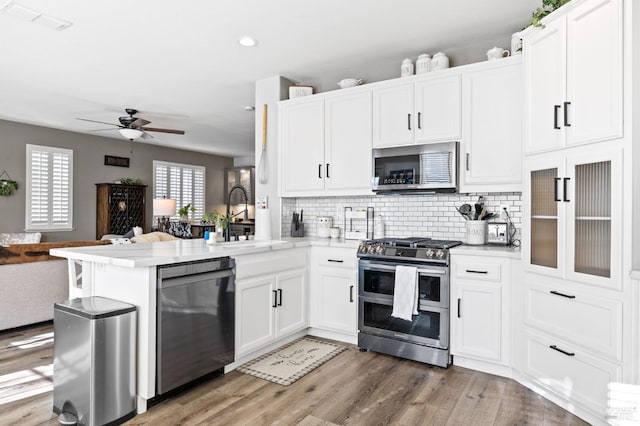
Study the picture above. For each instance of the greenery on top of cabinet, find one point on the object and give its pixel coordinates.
(548, 6)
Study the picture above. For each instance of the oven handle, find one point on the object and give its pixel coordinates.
(372, 266)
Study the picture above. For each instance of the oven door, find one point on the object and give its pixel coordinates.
(376, 279)
(430, 327)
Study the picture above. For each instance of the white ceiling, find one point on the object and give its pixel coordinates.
(180, 65)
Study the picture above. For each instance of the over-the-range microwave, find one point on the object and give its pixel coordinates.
(429, 167)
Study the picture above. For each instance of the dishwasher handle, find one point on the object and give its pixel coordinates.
(190, 279)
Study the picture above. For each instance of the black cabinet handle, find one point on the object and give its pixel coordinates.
(564, 188)
(280, 296)
(419, 125)
(319, 171)
(351, 293)
(409, 121)
(459, 307)
(467, 161)
(555, 116)
(555, 189)
(275, 299)
(557, 293)
(472, 271)
(566, 114)
(555, 348)
(327, 174)
(335, 260)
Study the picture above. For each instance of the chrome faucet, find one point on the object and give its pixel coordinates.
(245, 211)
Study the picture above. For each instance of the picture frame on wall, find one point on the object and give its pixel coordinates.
(110, 160)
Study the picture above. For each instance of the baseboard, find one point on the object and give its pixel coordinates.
(333, 335)
(484, 366)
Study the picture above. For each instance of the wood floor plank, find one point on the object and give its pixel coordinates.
(352, 388)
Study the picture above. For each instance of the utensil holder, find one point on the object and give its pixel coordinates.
(476, 232)
(297, 232)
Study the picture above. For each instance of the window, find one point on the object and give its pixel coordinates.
(49, 199)
(181, 182)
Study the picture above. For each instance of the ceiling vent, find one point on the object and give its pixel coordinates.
(26, 14)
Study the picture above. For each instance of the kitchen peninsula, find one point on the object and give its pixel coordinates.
(129, 273)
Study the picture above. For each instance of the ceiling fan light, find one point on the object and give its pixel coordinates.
(130, 134)
(247, 41)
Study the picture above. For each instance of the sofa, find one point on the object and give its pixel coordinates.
(31, 281)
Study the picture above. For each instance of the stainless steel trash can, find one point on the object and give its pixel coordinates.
(94, 364)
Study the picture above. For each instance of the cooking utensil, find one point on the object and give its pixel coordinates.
(478, 209)
(483, 214)
(263, 166)
(464, 211)
(301, 213)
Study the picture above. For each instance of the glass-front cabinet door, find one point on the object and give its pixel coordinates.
(594, 212)
(544, 222)
(573, 219)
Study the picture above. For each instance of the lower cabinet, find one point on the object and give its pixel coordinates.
(271, 298)
(480, 309)
(334, 289)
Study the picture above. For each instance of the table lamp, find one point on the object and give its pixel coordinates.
(163, 208)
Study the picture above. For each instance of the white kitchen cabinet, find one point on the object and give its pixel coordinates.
(271, 298)
(480, 309)
(572, 224)
(301, 134)
(348, 142)
(334, 290)
(424, 111)
(491, 147)
(573, 78)
(392, 113)
(325, 145)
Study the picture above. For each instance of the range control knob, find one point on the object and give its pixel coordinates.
(429, 254)
(379, 249)
(441, 254)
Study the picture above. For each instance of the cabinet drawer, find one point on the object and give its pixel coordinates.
(593, 322)
(479, 271)
(252, 265)
(335, 257)
(575, 375)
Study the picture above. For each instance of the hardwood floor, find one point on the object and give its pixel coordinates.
(360, 388)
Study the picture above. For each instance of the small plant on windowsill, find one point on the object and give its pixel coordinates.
(183, 212)
(548, 6)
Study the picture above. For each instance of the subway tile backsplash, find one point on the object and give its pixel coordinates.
(412, 215)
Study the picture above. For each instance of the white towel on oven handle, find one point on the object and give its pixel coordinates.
(405, 292)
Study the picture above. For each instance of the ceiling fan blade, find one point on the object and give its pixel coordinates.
(146, 135)
(139, 122)
(101, 122)
(154, 129)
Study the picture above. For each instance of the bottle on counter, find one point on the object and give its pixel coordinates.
(378, 227)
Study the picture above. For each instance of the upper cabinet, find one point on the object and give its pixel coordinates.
(422, 111)
(325, 145)
(573, 78)
(491, 150)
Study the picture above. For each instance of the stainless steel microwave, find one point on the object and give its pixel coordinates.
(429, 167)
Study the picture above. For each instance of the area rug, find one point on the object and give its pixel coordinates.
(288, 363)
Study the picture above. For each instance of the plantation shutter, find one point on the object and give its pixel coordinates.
(49, 198)
(181, 182)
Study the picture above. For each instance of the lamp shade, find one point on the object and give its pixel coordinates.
(130, 134)
(164, 207)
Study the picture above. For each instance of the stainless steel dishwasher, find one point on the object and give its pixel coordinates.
(195, 320)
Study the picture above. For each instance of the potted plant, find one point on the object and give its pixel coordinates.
(183, 212)
(548, 6)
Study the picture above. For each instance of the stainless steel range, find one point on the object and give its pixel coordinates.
(426, 337)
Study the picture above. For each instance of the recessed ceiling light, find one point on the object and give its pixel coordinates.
(247, 41)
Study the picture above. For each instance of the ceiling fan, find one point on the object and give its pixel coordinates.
(132, 127)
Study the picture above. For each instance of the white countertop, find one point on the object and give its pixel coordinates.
(487, 251)
(166, 252)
